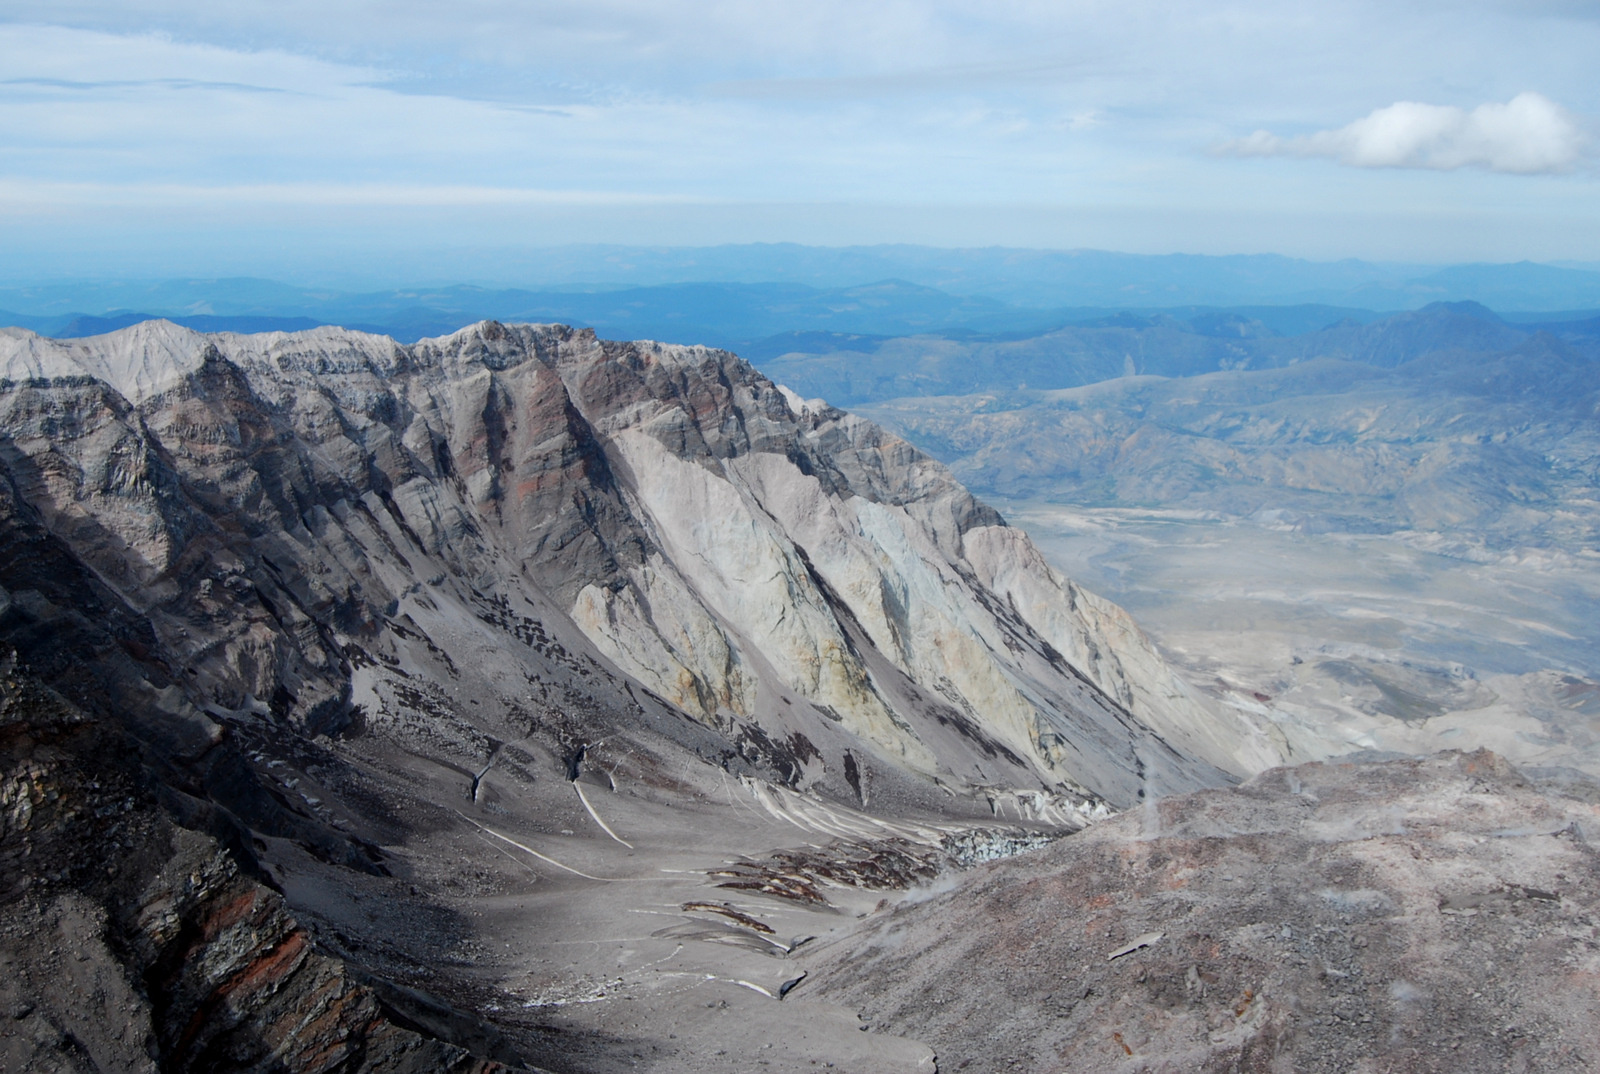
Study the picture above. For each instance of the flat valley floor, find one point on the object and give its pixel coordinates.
(1391, 642)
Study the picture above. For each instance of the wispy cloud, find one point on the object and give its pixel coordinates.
(1528, 135)
(361, 119)
(951, 78)
(24, 195)
(51, 84)
(64, 58)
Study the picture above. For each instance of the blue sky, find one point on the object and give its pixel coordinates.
(190, 136)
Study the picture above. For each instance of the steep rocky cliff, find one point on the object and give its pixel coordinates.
(326, 636)
(133, 944)
(287, 508)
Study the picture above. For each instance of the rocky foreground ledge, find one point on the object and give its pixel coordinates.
(1434, 914)
(1440, 914)
(129, 943)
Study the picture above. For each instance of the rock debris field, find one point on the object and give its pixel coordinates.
(1412, 915)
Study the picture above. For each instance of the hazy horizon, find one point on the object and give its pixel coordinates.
(173, 138)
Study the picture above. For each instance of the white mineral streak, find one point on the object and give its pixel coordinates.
(900, 588)
(661, 634)
(744, 568)
(1101, 640)
(1138, 943)
(803, 408)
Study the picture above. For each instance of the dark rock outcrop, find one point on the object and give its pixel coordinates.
(130, 943)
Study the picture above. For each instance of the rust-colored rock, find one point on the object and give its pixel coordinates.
(132, 944)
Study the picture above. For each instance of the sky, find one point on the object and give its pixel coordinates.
(344, 140)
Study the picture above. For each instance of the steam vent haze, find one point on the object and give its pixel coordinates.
(583, 538)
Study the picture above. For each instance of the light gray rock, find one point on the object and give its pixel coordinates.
(777, 569)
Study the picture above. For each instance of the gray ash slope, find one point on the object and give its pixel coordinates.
(351, 615)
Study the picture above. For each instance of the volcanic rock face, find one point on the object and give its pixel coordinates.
(781, 571)
(133, 944)
(1419, 915)
(353, 625)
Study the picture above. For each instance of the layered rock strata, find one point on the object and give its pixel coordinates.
(813, 589)
(130, 943)
(307, 619)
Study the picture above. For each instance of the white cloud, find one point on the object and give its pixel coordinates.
(1528, 135)
(85, 111)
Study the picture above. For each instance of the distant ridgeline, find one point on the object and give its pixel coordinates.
(851, 372)
(1205, 312)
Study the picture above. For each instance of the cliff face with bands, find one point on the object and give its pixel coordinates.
(299, 614)
(775, 568)
(522, 700)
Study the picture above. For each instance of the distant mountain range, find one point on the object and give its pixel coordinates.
(1493, 435)
(720, 314)
(1387, 530)
(1061, 278)
(851, 371)
(748, 298)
